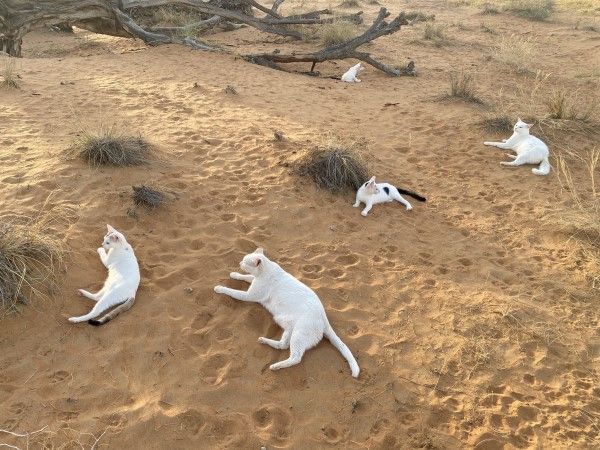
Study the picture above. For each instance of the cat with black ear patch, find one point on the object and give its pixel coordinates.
(372, 193)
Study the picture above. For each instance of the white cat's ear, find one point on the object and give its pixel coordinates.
(372, 180)
(519, 119)
(109, 228)
(114, 238)
(529, 125)
(258, 261)
(260, 251)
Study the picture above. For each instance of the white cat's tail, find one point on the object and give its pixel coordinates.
(114, 313)
(344, 350)
(544, 168)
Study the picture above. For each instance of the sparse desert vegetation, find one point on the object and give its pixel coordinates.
(462, 86)
(110, 147)
(517, 52)
(435, 33)
(531, 9)
(334, 165)
(148, 197)
(336, 32)
(10, 78)
(31, 255)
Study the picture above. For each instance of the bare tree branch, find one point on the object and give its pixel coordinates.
(344, 50)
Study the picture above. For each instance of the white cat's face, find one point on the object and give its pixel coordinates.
(370, 187)
(113, 239)
(521, 126)
(359, 67)
(253, 262)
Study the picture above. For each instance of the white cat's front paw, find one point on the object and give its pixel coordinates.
(274, 366)
(488, 143)
(356, 205)
(219, 289)
(409, 208)
(364, 213)
(100, 250)
(261, 340)
(73, 320)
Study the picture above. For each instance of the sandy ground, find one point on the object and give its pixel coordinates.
(475, 323)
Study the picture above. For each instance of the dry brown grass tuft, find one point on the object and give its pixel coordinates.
(109, 147)
(30, 255)
(337, 31)
(350, 4)
(568, 105)
(489, 9)
(435, 33)
(462, 86)
(148, 197)
(580, 220)
(516, 51)
(419, 16)
(10, 79)
(531, 9)
(334, 165)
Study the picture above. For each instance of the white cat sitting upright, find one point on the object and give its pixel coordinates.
(294, 306)
(121, 285)
(372, 193)
(529, 149)
(350, 75)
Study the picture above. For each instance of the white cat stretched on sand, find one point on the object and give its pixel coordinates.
(122, 282)
(351, 74)
(294, 306)
(372, 193)
(529, 149)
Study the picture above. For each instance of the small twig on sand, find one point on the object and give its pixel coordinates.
(25, 435)
(97, 439)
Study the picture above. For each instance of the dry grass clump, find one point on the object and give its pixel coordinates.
(435, 33)
(148, 197)
(531, 9)
(30, 256)
(581, 220)
(462, 85)
(111, 148)
(10, 79)
(350, 4)
(516, 51)
(563, 104)
(499, 123)
(489, 9)
(419, 16)
(334, 166)
(337, 31)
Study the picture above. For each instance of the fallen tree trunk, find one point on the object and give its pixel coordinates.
(17, 17)
(344, 50)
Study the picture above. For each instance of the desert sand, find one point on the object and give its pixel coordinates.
(474, 320)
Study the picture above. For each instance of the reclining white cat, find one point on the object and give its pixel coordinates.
(294, 306)
(372, 193)
(121, 285)
(350, 75)
(529, 149)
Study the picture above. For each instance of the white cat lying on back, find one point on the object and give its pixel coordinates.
(350, 75)
(122, 282)
(294, 306)
(372, 193)
(529, 149)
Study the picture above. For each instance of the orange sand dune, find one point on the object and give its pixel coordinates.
(474, 322)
